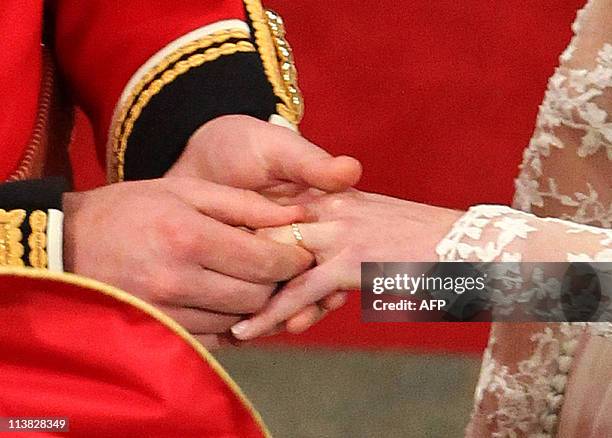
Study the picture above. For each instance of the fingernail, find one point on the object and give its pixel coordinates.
(342, 300)
(240, 330)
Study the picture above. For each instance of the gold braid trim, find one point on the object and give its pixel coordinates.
(295, 106)
(119, 140)
(38, 240)
(277, 60)
(166, 78)
(11, 249)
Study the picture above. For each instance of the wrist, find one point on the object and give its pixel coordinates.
(71, 203)
(435, 223)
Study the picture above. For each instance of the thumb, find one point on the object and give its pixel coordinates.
(291, 157)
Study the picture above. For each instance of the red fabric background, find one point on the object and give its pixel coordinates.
(437, 99)
(81, 365)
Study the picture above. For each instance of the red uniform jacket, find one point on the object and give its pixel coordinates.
(148, 73)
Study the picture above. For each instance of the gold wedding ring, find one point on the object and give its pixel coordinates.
(295, 229)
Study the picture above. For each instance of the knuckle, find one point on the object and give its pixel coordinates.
(293, 262)
(336, 204)
(220, 129)
(265, 233)
(340, 233)
(340, 205)
(232, 118)
(223, 125)
(269, 269)
(250, 198)
(257, 298)
(166, 288)
(166, 227)
(184, 244)
(326, 203)
(303, 261)
(175, 235)
(221, 323)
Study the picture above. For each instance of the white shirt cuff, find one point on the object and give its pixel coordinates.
(55, 240)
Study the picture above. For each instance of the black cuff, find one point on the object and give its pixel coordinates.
(24, 209)
(231, 71)
(38, 194)
(233, 84)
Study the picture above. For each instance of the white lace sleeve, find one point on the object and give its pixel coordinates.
(489, 233)
(525, 367)
(563, 212)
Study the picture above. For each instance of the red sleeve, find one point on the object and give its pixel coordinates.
(100, 44)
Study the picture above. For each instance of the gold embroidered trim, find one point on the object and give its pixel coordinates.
(38, 240)
(119, 141)
(277, 60)
(202, 43)
(11, 249)
(166, 78)
(288, 71)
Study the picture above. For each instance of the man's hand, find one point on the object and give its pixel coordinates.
(246, 153)
(243, 152)
(175, 243)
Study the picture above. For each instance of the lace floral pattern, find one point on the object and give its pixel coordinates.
(489, 233)
(566, 177)
(575, 101)
(527, 394)
(518, 292)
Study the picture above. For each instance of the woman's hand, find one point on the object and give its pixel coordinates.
(175, 243)
(350, 228)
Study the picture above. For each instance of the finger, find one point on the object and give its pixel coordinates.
(334, 301)
(238, 253)
(300, 292)
(275, 331)
(234, 206)
(305, 319)
(197, 321)
(290, 193)
(314, 313)
(210, 290)
(291, 157)
(315, 236)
